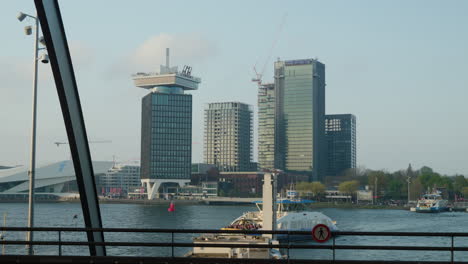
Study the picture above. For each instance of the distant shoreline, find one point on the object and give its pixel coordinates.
(354, 206)
(318, 205)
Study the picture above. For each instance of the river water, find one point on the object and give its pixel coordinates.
(215, 217)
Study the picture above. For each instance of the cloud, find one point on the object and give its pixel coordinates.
(82, 54)
(185, 49)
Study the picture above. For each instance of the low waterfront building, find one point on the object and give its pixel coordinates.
(57, 178)
(120, 180)
(335, 195)
(206, 189)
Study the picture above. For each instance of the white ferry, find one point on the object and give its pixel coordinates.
(290, 216)
(431, 203)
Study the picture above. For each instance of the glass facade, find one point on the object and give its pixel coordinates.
(166, 136)
(341, 139)
(267, 158)
(300, 87)
(228, 136)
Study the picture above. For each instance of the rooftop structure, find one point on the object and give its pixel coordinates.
(168, 77)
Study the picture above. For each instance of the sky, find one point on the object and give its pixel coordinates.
(398, 66)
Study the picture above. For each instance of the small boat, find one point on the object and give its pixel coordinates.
(432, 203)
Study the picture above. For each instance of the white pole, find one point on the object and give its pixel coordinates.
(3, 233)
(32, 166)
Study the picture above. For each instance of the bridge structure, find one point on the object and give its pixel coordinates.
(115, 249)
(172, 246)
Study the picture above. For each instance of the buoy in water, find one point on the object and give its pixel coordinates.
(171, 207)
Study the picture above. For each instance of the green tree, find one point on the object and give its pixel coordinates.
(377, 179)
(459, 181)
(310, 188)
(317, 188)
(465, 192)
(395, 189)
(416, 189)
(349, 187)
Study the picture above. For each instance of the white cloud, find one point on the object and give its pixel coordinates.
(82, 54)
(188, 48)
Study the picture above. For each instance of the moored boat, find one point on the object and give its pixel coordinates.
(432, 203)
(291, 216)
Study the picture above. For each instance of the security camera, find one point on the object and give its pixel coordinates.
(42, 41)
(28, 30)
(21, 16)
(44, 58)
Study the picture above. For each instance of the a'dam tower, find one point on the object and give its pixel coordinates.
(166, 128)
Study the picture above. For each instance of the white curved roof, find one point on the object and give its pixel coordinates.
(60, 169)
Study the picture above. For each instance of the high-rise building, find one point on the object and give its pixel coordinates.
(341, 140)
(228, 136)
(166, 127)
(300, 102)
(268, 154)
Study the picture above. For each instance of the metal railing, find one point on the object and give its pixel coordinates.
(286, 246)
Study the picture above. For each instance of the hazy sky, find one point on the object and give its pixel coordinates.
(399, 66)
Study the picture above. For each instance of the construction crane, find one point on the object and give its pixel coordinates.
(259, 75)
(96, 141)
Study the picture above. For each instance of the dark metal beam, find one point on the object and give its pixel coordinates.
(49, 16)
(177, 260)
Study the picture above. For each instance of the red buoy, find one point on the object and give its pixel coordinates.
(171, 207)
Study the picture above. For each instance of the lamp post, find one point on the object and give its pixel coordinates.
(32, 165)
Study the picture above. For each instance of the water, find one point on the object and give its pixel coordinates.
(215, 217)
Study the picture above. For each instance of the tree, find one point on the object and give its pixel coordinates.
(425, 170)
(349, 187)
(317, 188)
(416, 189)
(395, 189)
(314, 188)
(465, 192)
(377, 179)
(459, 181)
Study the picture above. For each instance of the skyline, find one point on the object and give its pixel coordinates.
(402, 78)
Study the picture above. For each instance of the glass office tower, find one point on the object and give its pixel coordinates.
(341, 139)
(300, 95)
(166, 128)
(167, 135)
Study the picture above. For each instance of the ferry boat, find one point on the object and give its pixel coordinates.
(207, 243)
(291, 215)
(432, 203)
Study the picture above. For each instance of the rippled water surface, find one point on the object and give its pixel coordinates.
(214, 217)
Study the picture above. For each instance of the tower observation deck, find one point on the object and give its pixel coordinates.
(168, 77)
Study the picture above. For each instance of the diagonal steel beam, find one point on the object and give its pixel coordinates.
(49, 16)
